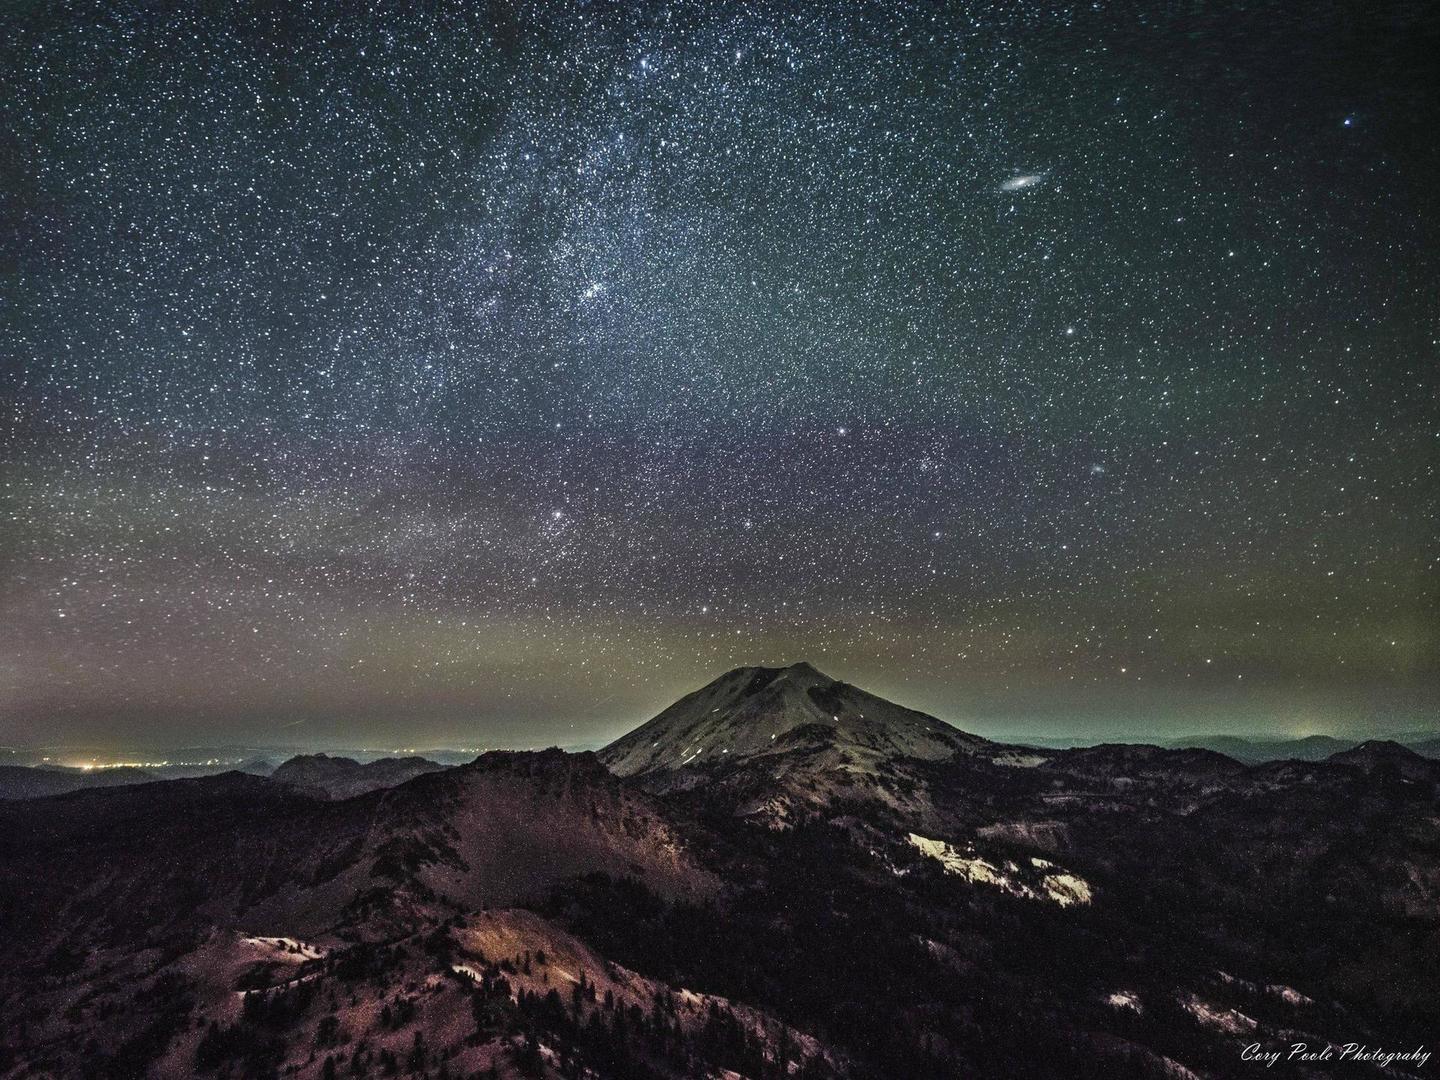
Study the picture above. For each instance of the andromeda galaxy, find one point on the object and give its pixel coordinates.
(1022, 181)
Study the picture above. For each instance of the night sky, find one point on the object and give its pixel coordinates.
(492, 374)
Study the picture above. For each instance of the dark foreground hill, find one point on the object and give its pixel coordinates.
(792, 878)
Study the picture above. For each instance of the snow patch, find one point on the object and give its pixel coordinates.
(1124, 999)
(1019, 761)
(1216, 1016)
(1062, 887)
(302, 949)
(1054, 883)
(1289, 995)
(970, 867)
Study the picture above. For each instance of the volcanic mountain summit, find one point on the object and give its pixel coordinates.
(769, 741)
(753, 712)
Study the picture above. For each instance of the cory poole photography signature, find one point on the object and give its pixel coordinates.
(1297, 1053)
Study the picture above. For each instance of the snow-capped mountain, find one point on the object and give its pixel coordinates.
(754, 712)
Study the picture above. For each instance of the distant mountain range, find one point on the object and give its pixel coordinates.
(319, 774)
(1247, 748)
(343, 778)
(34, 782)
(1308, 748)
(779, 876)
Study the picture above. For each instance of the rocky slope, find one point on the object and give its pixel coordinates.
(244, 852)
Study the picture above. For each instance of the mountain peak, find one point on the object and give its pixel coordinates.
(1388, 755)
(1376, 749)
(801, 671)
(803, 668)
(752, 712)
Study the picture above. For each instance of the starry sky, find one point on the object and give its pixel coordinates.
(490, 374)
